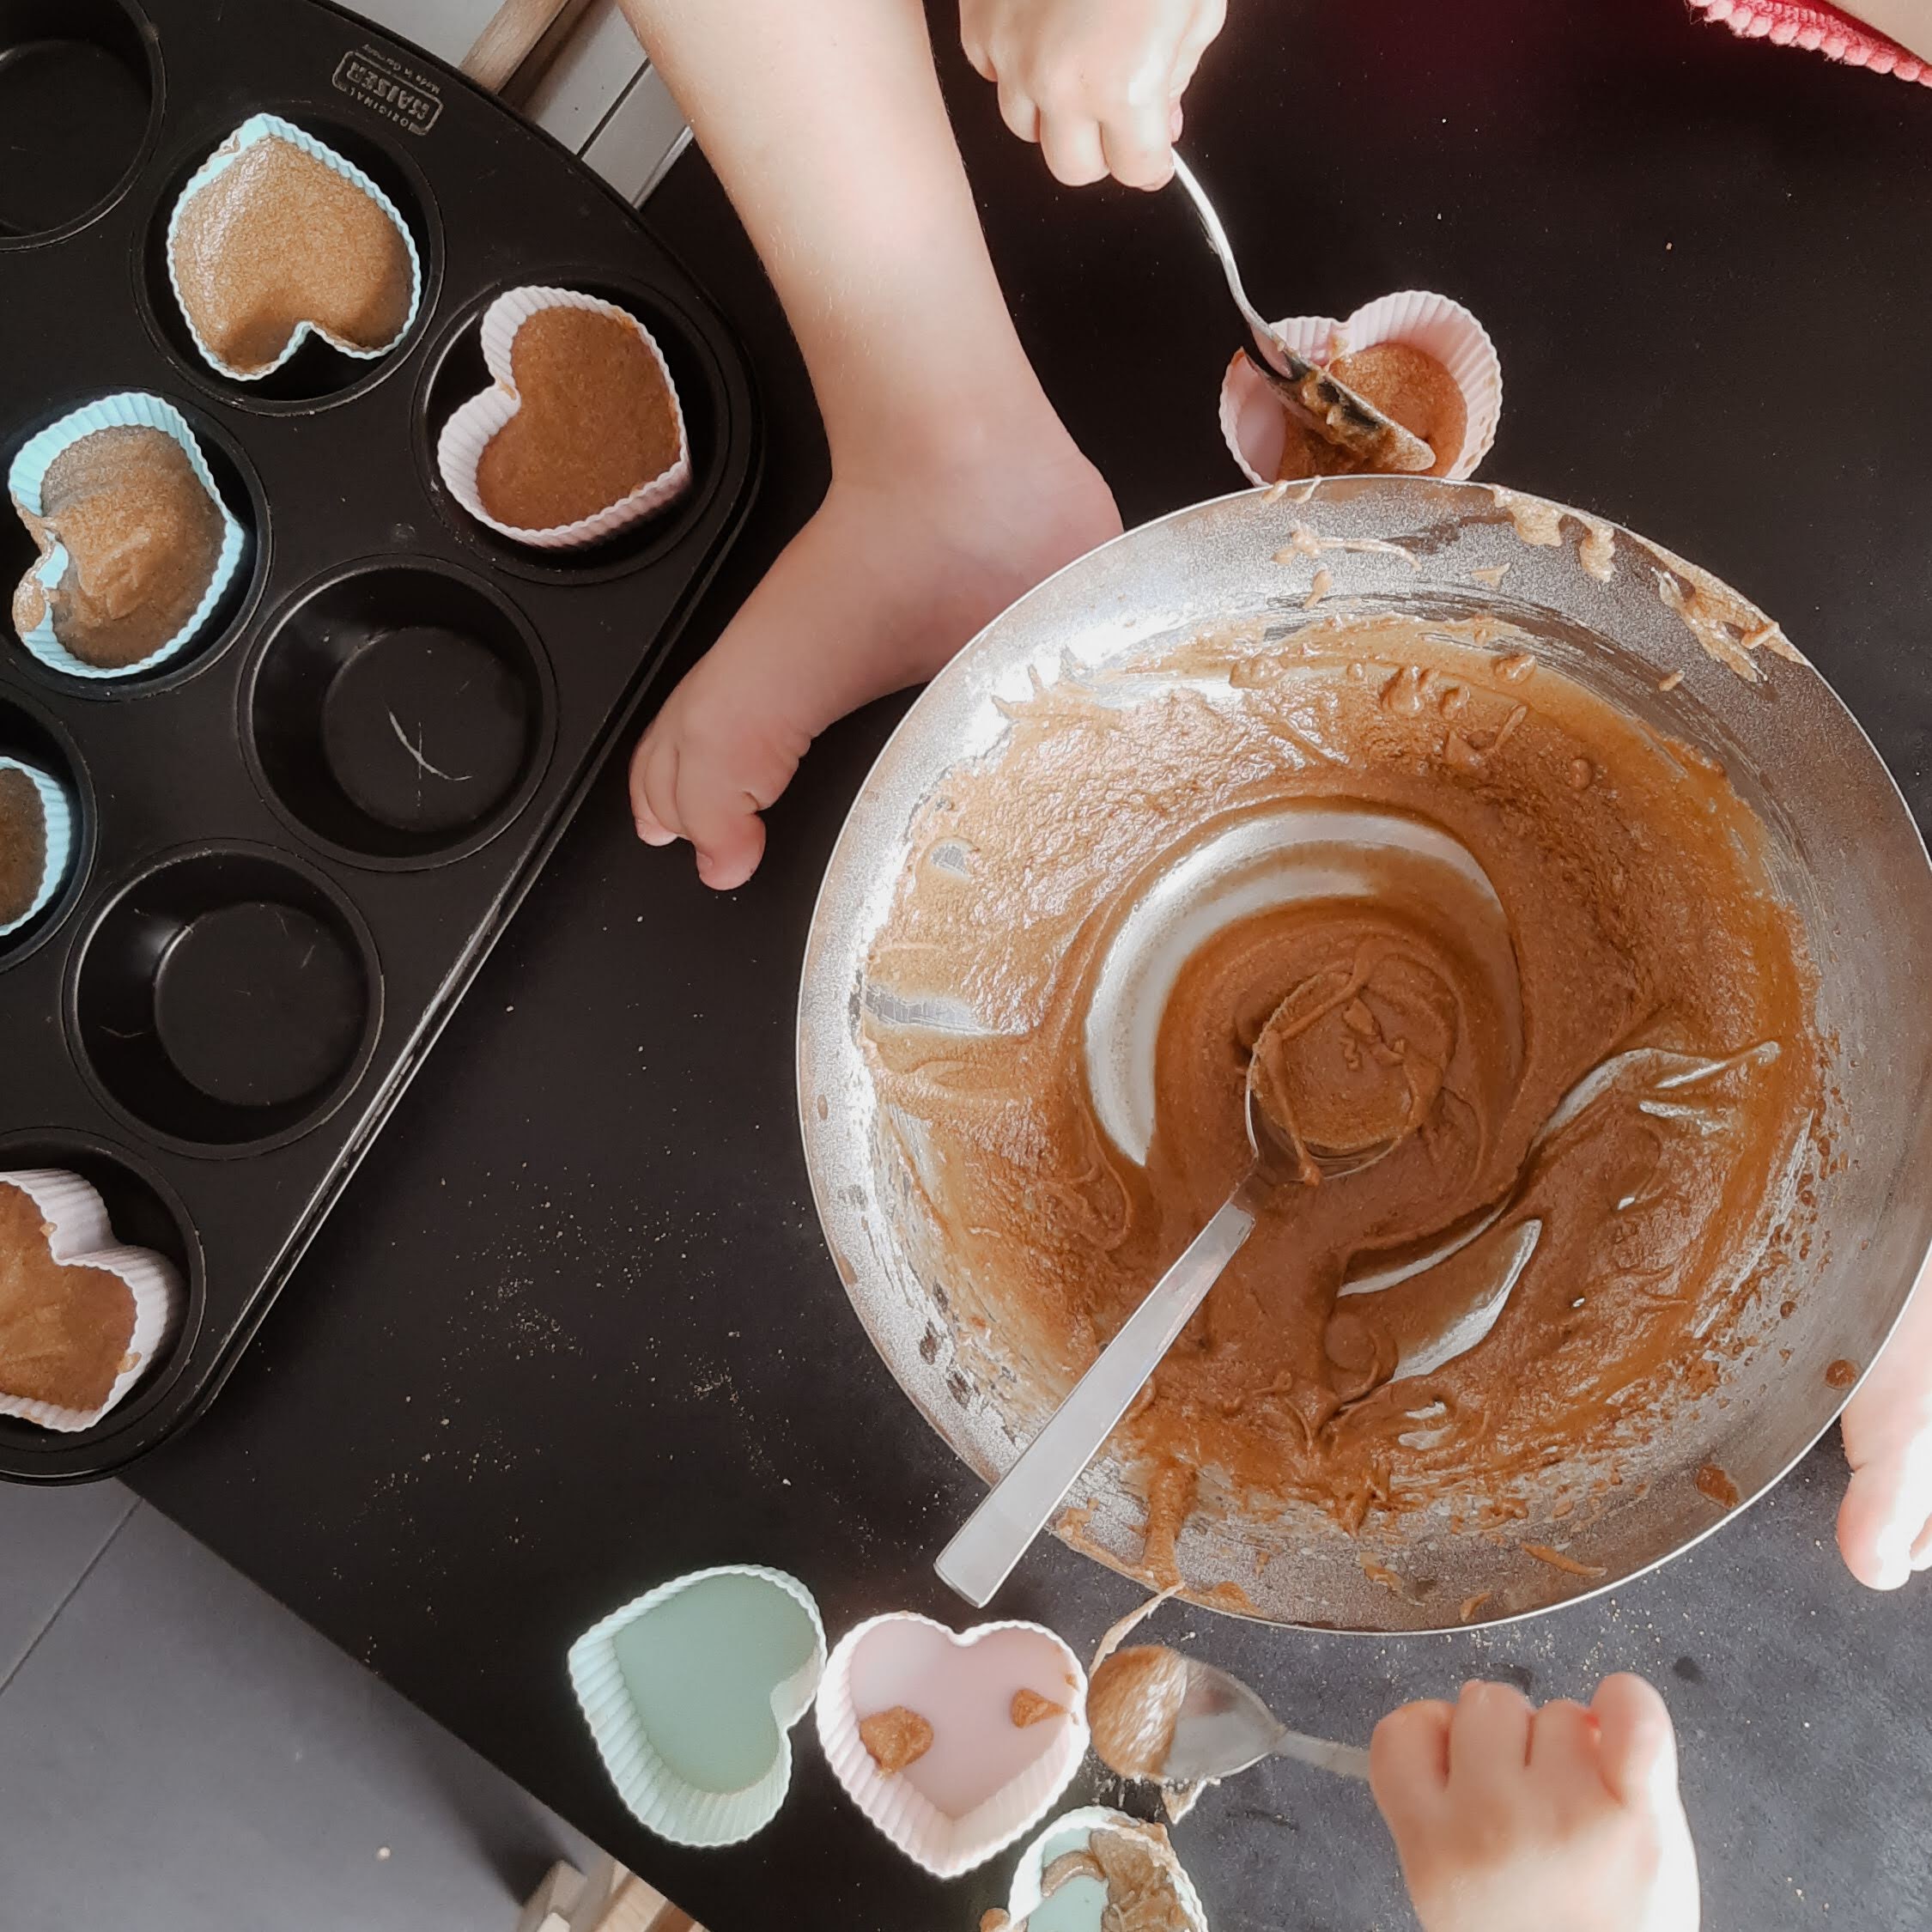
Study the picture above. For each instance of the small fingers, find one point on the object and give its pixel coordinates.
(1019, 109)
(1137, 147)
(1637, 1747)
(1210, 16)
(1489, 1739)
(1071, 145)
(1408, 1763)
(1563, 1746)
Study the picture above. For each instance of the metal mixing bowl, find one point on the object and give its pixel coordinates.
(1845, 853)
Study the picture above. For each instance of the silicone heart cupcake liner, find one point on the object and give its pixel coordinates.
(940, 1844)
(57, 818)
(264, 127)
(468, 432)
(1074, 1832)
(82, 1236)
(657, 1796)
(132, 409)
(1252, 414)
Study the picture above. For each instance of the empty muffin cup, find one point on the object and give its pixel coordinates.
(226, 998)
(276, 238)
(401, 713)
(76, 100)
(137, 548)
(581, 434)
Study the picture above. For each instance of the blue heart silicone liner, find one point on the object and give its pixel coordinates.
(265, 127)
(131, 408)
(57, 816)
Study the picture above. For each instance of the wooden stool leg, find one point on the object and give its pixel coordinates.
(547, 1908)
(611, 1899)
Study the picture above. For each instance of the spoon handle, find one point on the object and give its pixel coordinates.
(1266, 340)
(1345, 1760)
(980, 1558)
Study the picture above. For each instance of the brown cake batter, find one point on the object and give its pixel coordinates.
(596, 422)
(278, 238)
(1134, 1865)
(23, 842)
(1133, 1702)
(1409, 387)
(64, 1331)
(1639, 916)
(1028, 1708)
(142, 536)
(895, 1738)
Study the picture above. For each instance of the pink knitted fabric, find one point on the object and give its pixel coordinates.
(1823, 29)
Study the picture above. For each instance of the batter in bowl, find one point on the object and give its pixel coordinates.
(1570, 996)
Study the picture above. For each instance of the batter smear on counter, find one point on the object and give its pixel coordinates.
(1593, 1058)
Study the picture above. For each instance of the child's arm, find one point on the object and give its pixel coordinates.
(1097, 84)
(1509, 1818)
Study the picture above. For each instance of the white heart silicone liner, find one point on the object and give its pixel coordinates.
(1251, 415)
(467, 434)
(985, 1780)
(81, 1236)
(1075, 1831)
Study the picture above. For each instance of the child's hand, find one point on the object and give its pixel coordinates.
(1512, 1819)
(1097, 84)
(1885, 1526)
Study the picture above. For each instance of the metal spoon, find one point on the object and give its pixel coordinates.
(1222, 1727)
(1332, 408)
(997, 1534)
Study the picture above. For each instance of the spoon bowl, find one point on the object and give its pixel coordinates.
(1223, 1726)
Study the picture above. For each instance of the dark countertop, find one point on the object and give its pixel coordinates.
(573, 1329)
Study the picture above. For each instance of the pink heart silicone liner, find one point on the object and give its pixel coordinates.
(985, 1781)
(1251, 414)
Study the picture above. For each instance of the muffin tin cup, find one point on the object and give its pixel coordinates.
(57, 818)
(653, 1793)
(468, 433)
(132, 409)
(263, 127)
(81, 1236)
(937, 1842)
(79, 88)
(1251, 414)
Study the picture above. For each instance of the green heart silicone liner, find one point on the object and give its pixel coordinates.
(691, 1692)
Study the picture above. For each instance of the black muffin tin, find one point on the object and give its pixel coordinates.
(296, 842)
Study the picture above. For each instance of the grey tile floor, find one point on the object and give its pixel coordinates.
(179, 1753)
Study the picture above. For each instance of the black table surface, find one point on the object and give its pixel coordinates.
(573, 1329)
